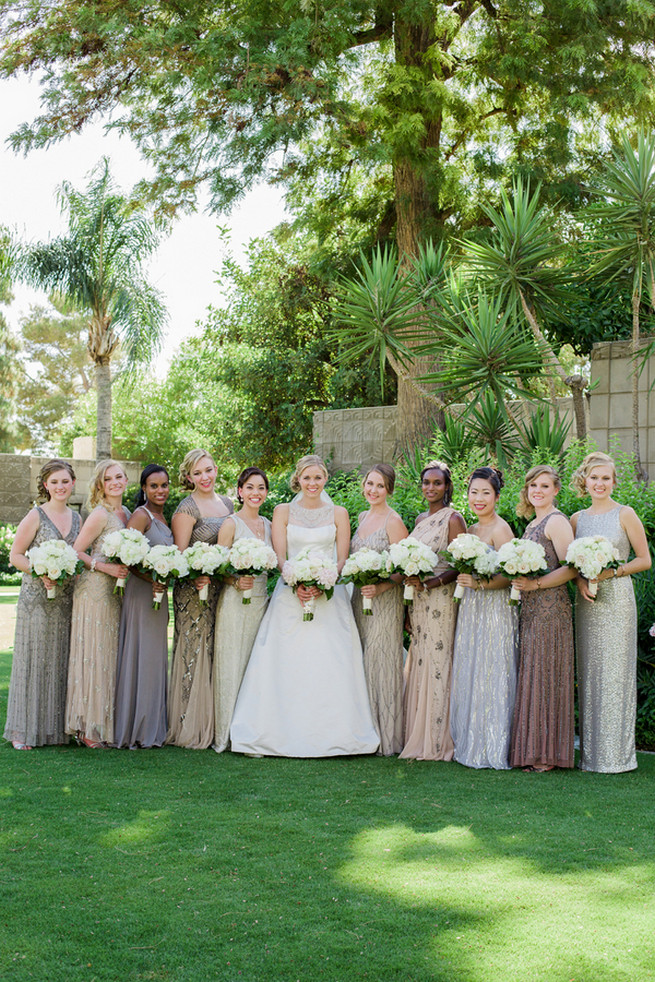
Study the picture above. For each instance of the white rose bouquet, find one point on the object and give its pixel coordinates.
(311, 568)
(250, 557)
(56, 560)
(128, 546)
(204, 559)
(366, 567)
(521, 557)
(412, 558)
(164, 563)
(469, 554)
(590, 555)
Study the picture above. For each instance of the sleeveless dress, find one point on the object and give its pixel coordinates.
(142, 664)
(543, 725)
(304, 691)
(484, 678)
(191, 704)
(429, 662)
(236, 629)
(39, 668)
(94, 646)
(381, 635)
(606, 643)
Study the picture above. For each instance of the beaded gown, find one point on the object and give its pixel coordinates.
(39, 668)
(543, 724)
(606, 644)
(191, 703)
(236, 629)
(142, 665)
(381, 635)
(429, 662)
(94, 645)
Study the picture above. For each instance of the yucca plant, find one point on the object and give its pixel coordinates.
(540, 432)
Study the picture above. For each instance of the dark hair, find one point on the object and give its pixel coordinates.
(490, 474)
(438, 465)
(51, 467)
(145, 474)
(247, 473)
(386, 472)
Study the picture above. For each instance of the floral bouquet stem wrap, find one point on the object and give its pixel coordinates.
(412, 558)
(164, 563)
(521, 557)
(366, 567)
(250, 557)
(127, 546)
(310, 567)
(590, 555)
(205, 559)
(469, 554)
(56, 560)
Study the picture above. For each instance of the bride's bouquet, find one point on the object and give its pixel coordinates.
(469, 554)
(127, 546)
(164, 563)
(521, 557)
(310, 568)
(590, 555)
(205, 559)
(366, 567)
(56, 560)
(250, 557)
(412, 558)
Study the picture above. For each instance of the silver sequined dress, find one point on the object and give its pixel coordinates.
(606, 644)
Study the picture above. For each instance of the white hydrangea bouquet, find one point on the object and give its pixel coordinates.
(366, 567)
(56, 560)
(205, 559)
(469, 554)
(250, 557)
(590, 555)
(521, 557)
(127, 546)
(309, 567)
(164, 563)
(412, 558)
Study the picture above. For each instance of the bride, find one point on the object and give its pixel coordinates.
(304, 692)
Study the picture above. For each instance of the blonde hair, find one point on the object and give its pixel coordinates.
(595, 459)
(97, 485)
(386, 472)
(187, 465)
(524, 509)
(51, 467)
(310, 460)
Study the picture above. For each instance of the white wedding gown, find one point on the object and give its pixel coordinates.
(304, 692)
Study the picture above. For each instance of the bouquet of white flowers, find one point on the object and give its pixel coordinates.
(366, 567)
(412, 558)
(469, 554)
(590, 555)
(128, 546)
(521, 557)
(204, 559)
(56, 560)
(164, 563)
(310, 568)
(250, 557)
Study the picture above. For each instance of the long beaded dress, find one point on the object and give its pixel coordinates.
(236, 629)
(304, 692)
(94, 645)
(429, 662)
(543, 724)
(191, 702)
(381, 635)
(142, 665)
(39, 668)
(606, 643)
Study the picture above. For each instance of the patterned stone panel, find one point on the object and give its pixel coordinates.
(15, 499)
(353, 439)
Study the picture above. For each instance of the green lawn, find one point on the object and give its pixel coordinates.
(174, 865)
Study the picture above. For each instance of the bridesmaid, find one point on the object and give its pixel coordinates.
(96, 614)
(142, 666)
(486, 644)
(543, 726)
(37, 690)
(427, 671)
(238, 623)
(197, 518)
(606, 626)
(382, 633)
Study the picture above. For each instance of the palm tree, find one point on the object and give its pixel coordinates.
(98, 267)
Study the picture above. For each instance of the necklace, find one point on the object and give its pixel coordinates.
(259, 528)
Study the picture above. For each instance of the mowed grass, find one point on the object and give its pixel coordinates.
(180, 865)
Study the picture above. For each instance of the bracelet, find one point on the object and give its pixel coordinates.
(93, 565)
(538, 583)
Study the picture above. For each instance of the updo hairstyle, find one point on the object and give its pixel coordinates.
(439, 465)
(310, 460)
(187, 465)
(491, 474)
(50, 467)
(97, 485)
(524, 509)
(145, 474)
(386, 472)
(594, 459)
(245, 475)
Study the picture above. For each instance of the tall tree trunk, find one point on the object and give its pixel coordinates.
(103, 425)
(634, 378)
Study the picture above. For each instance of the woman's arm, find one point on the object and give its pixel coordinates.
(279, 532)
(558, 530)
(226, 533)
(342, 522)
(23, 539)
